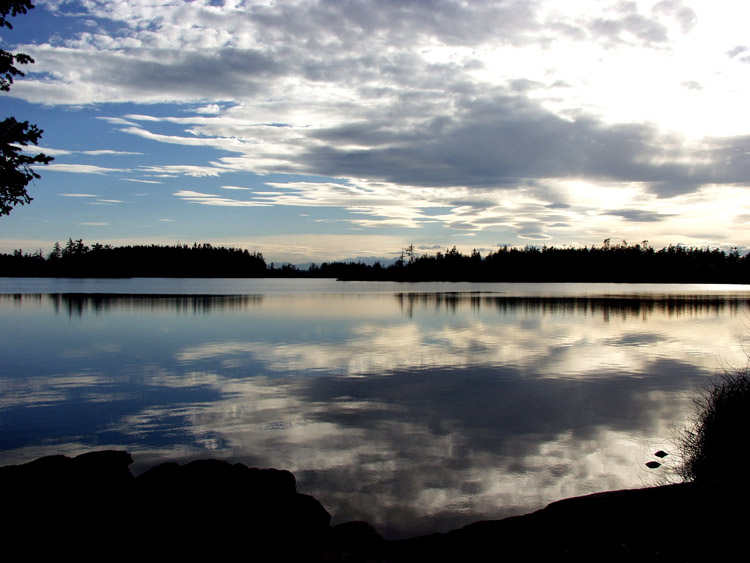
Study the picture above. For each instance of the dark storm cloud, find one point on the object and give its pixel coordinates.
(506, 140)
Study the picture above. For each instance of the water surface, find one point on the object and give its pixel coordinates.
(416, 407)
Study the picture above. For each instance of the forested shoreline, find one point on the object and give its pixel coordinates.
(606, 263)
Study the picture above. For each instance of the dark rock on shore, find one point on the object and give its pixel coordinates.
(90, 507)
(680, 522)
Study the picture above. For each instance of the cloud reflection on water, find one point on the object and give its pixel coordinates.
(415, 413)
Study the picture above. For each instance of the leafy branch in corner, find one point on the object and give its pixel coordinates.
(15, 167)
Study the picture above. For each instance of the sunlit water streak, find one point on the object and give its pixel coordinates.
(416, 407)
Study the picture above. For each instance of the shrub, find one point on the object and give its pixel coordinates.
(715, 446)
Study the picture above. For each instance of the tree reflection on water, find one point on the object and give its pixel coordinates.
(414, 411)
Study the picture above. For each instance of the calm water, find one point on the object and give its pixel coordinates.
(416, 407)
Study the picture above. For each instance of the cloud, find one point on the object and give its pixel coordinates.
(142, 181)
(638, 215)
(108, 152)
(496, 140)
(424, 112)
(532, 231)
(738, 50)
(201, 53)
(172, 170)
(80, 168)
(65, 152)
(149, 75)
(49, 151)
(226, 143)
(116, 120)
(211, 109)
(214, 200)
(503, 140)
(628, 26)
(106, 201)
(685, 16)
(526, 118)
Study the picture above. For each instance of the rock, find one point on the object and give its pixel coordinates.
(239, 508)
(92, 506)
(683, 522)
(57, 503)
(356, 537)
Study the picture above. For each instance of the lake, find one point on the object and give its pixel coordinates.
(416, 407)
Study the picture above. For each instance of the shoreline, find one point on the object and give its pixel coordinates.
(211, 509)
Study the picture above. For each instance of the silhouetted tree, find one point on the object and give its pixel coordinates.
(56, 253)
(15, 167)
(75, 248)
(410, 252)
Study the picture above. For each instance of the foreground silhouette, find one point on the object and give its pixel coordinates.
(90, 507)
(714, 446)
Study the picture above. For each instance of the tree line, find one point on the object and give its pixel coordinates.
(609, 262)
(77, 259)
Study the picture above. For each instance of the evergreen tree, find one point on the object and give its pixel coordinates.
(15, 167)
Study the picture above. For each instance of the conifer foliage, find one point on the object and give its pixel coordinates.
(15, 136)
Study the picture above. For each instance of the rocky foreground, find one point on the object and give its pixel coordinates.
(91, 507)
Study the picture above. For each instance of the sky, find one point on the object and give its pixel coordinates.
(327, 129)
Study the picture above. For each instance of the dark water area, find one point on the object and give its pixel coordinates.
(415, 407)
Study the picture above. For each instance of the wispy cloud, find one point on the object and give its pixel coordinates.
(211, 199)
(106, 202)
(106, 152)
(173, 170)
(81, 168)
